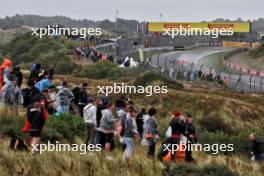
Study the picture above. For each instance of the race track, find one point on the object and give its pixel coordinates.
(190, 61)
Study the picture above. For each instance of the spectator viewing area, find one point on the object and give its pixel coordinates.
(133, 88)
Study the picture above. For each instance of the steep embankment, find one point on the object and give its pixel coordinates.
(7, 35)
(220, 117)
(253, 59)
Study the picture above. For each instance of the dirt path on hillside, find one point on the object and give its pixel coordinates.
(81, 61)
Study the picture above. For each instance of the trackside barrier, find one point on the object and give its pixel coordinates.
(180, 69)
(243, 69)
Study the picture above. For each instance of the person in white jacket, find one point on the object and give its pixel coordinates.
(143, 140)
(89, 116)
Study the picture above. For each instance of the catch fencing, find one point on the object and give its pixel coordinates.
(181, 70)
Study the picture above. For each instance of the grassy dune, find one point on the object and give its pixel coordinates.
(95, 164)
(252, 59)
(248, 61)
(228, 115)
(215, 61)
(219, 116)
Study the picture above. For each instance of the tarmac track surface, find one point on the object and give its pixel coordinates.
(192, 60)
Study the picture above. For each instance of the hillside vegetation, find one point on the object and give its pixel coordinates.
(253, 59)
(7, 35)
(220, 117)
(26, 50)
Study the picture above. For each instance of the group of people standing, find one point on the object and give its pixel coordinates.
(104, 119)
(102, 125)
(90, 53)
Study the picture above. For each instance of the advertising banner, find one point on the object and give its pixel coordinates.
(161, 26)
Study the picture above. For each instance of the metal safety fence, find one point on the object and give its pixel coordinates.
(181, 70)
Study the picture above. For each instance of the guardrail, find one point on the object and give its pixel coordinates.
(244, 70)
(178, 69)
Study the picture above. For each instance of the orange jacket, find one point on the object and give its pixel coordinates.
(6, 64)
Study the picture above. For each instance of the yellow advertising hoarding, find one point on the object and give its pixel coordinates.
(162, 26)
(241, 44)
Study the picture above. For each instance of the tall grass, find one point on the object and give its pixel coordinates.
(95, 164)
(213, 105)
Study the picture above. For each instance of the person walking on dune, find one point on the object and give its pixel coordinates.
(107, 127)
(151, 132)
(130, 133)
(89, 117)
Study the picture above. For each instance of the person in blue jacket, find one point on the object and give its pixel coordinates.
(43, 84)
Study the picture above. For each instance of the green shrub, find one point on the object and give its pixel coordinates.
(258, 52)
(50, 134)
(67, 125)
(61, 62)
(10, 123)
(132, 72)
(63, 127)
(239, 140)
(215, 124)
(100, 70)
(31, 49)
(151, 77)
